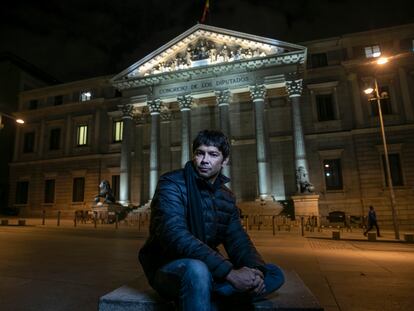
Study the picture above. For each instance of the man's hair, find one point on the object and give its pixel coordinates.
(213, 138)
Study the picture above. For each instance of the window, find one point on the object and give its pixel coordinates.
(54, 143)
(407, 45)
(325, 107)
(333, 174)
(33, 103)
(49, 191)
(372, 51)
(115, 186)
(384, 100)
(58, 100)
(85, 96)
(78, 189)
(82, 135)
(318, 60)
(395, 168)
(28, 143)
(117, 128)
(22, 192)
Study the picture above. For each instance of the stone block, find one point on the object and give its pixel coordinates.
(138, 296)
(336, 235)
(22, 222)
(372, 236)
(4, 222)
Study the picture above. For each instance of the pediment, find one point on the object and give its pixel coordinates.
(203, 46)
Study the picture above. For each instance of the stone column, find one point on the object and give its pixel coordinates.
(69, 135)
(185, 102)
(155, 109)
(223, 103)
(41, 142)
(17, 147)
(294, 88)
(356, 96)
(258, 93)
(139, 125)
(126, 148)
(166, 117)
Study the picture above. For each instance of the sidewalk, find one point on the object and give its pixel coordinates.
(46, 267)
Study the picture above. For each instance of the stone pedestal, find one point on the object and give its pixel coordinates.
(306, 204)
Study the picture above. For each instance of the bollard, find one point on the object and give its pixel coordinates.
(74, 221)
(58, 218)
(94, 219)
(116, 220)
(301, 225)
(273, 224)
(43, 217)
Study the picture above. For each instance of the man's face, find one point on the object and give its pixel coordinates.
(208, 161)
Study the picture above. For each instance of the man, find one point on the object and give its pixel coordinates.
(192, 213)
(372, 221)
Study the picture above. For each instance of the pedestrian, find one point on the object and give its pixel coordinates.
(192, 213)
(372, 221)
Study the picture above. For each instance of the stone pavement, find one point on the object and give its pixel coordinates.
(66, 268)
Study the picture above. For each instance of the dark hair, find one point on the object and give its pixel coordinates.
(213, 138)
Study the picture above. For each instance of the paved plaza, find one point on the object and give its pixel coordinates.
(67, 268)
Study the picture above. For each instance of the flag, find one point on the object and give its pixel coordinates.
(206, 9)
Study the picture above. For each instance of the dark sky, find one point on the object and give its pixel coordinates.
(77, 39)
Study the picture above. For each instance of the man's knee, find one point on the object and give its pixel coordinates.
(274, 277)
(197, 270)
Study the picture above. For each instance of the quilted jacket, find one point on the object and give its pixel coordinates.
(170, 238)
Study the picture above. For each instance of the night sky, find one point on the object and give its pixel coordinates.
(79, 39)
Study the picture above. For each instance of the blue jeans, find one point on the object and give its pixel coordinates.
(189, 282)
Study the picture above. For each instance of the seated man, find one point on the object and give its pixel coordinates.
(192, 213)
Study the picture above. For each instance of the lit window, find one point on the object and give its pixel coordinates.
(85, 96)
(372, 51)
(333, 174)
(117, 131)
(82, 135)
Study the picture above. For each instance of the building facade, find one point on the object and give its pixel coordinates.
(297, 117)
(16, 75)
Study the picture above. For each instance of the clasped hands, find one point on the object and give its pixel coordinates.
(247, 279)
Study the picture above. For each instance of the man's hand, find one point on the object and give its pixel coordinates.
(247, 279)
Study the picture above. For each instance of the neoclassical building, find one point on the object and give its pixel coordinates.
(299, 124)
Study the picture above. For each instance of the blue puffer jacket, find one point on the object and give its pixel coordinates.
(171, 239)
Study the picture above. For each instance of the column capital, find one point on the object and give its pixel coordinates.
(257, 92)
(185, 102)
(223, 97)
(127, 111)
(154, 106)
(294, 87)
(166, 115)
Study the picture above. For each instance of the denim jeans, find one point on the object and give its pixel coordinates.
(190, 284)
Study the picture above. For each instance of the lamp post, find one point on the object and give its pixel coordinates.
(2, 114)
(384, 142)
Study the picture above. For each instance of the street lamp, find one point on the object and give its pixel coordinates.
(378, 97)
(2, 114)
